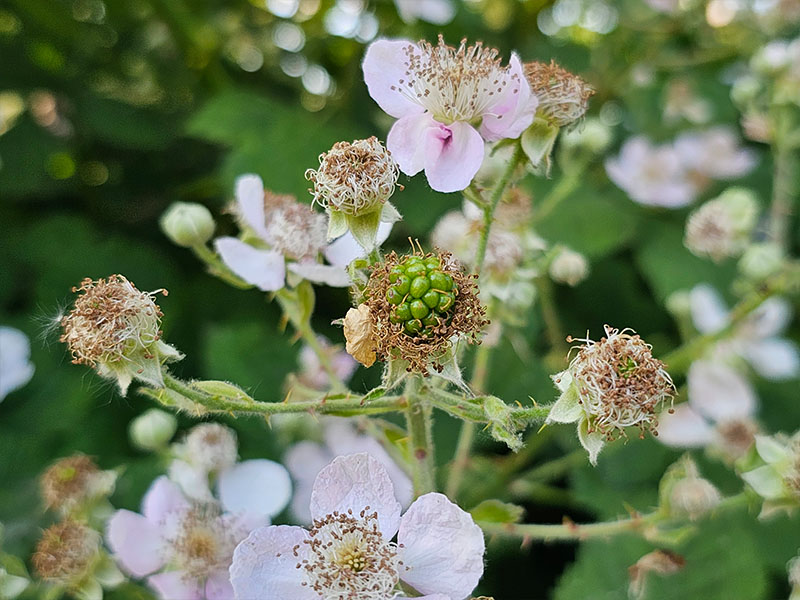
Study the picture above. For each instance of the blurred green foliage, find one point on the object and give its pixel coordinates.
(131, 105)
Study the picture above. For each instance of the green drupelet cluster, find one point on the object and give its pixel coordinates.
(422, 293)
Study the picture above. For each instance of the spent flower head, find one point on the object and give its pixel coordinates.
(610, 385)
(66, 553)
(354, 178)
(116, 329)
(74, 483)
(415, 306)
(563, 97)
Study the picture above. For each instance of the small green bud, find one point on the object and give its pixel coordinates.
(153, 429)
(188, 224)
(761, 260)
(678, 303)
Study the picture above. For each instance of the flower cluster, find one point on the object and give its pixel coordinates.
(673, 175)
(348, 553)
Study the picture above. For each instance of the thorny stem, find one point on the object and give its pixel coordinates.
(339, 404)
(418, 422)
(573, 531)
(784, 187)
(217, 268)
(494, 200)
(471, 409)
(480, 373)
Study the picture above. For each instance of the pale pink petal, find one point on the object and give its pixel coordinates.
(174, 585)
(317, 273)
(685, 428)
(162, 498)
(218, 587)
(136, 543)
(438, 12)
(258, 487)
(426, 597)
(441, 548)
(344, 250)
(264, 269)
(192, 481)
(774, 358)
(342, 438)
(709, 313)
(305, 460)
(265, 565)
(769, 319)
(250, 202)
(453, 154)
(718, 392)
(408, 139)
(385, 66)
(514, 109)
(355, 482)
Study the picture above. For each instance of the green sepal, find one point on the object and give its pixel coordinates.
(495, 511)
(365, 229)
(538, 141)
(567, 408)
(394, 372)
(389, 214)
(592, 442)
(503, 426)
(337, 224)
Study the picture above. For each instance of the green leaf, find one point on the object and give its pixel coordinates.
(495, 511)
(710, 572)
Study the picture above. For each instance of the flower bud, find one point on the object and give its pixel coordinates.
(593, 135)
(569, 267)
(679, 304)
(211, 447)
(152, 429)
(354, 178)
(721, 227)
(761, 260)
(188, 224)
(693, 497)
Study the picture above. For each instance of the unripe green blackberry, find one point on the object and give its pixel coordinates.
(422, 294)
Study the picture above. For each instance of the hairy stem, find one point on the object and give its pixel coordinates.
(418, 421)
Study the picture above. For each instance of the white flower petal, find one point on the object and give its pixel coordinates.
(774, 358)
(257, 487)
(719, 392)
(709, 313)
(15, 367)
(438, 12)
(354, 482)
(684, 428)
(265, 565)
(136, 542)
(317, 273)
(441, 548)
(250, 200)
(265, 269)
(344, 250)
(305, 460)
